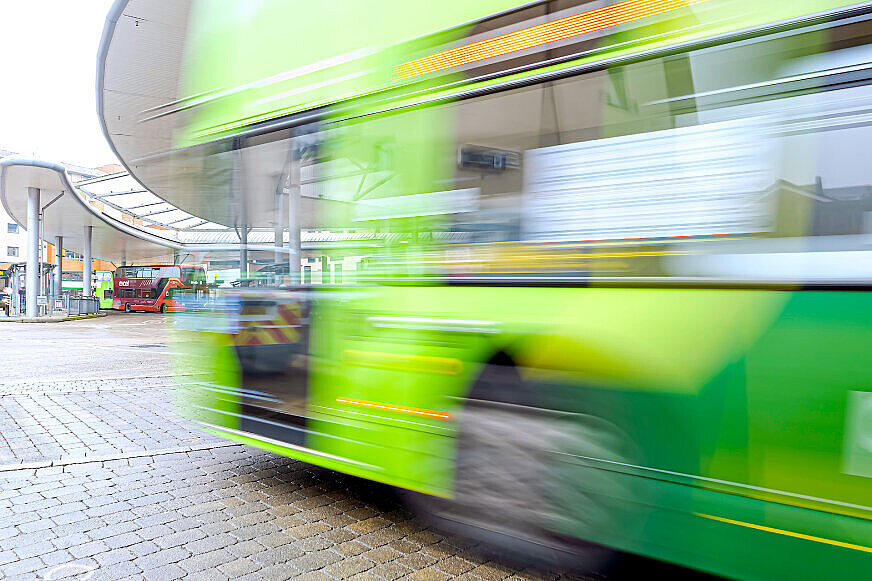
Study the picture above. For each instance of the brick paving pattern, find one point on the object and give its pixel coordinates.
(224, 513)
(51, 426)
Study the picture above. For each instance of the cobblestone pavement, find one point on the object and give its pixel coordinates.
(99, 479)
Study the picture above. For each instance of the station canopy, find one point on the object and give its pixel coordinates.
(130, 222)
(66, 210)
(139, 66)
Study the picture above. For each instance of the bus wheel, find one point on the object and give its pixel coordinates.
(506, 490)
(163, 308)
(126, 307)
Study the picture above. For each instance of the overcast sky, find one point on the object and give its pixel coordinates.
(48, 50)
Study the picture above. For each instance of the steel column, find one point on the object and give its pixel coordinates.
(87, 287)
(243, 253)
(59, 273)
(32, 276)
(279, 227)
(237, 190)
(294, 223)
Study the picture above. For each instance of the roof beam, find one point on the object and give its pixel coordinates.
(158, 212)
(146, 205)
(110, 176)
(195, 225)
(110, 194)
(180, 220)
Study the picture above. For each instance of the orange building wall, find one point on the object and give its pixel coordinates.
(75, 263)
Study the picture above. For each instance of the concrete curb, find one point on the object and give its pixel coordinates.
(70, 460)
(51, 319)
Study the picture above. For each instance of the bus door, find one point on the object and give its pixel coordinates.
(271, 341)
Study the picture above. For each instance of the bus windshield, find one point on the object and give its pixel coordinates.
(148, 272)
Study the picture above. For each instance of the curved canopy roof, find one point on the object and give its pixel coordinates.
(138, 67)
(66, 210)
(129, 222)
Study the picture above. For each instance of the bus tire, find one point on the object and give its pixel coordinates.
(500, 485)
(163, 308)
(126, 307)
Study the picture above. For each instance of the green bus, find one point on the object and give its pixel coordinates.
(101, 281)
(612, 266)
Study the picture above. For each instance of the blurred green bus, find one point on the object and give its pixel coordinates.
(101, 281)
(605, 266)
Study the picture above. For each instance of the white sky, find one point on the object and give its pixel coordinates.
(48, 51)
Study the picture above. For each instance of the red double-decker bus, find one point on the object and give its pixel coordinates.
(151, 287)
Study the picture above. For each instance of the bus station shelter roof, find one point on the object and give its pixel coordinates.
(139, 67)
(67, 210)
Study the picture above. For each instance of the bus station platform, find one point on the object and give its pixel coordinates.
(51, 318)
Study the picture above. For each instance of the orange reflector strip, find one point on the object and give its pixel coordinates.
(444, 416)
(787, 533)
(553, 31)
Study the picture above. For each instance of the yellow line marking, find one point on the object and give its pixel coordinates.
(419, 363)
(444, 416)
(787, 533)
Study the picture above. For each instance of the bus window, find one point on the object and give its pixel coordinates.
(107, 294)
(165, 272)
(193, 276)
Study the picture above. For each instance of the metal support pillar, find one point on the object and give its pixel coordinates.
(59, 273)
(243, 252)
(238, 192)
(87, 287)
(15, 285)
(279, 227)
(32, 274)
(294, 223)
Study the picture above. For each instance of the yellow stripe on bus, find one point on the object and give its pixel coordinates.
(401, 362)
(787, 533)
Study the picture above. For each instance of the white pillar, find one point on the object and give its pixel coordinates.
(279, 227)
(237, 186)
(59, 273)
(15, 284)
(294, 224)
(32, 280)
(87, 287)
(243, 252)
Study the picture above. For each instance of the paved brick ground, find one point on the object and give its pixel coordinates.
(99, 477)
(222, 513)
(55, 425)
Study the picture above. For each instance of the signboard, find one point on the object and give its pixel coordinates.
(703, 180)
(59, 304)
(41, 300)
